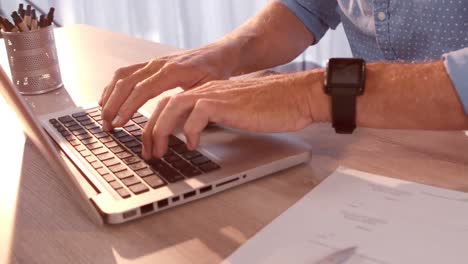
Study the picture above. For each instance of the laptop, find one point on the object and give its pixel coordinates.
(113, 184)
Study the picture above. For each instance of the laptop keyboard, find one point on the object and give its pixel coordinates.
(116, 155)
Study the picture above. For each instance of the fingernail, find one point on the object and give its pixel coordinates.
(116, 121)
(100, 101)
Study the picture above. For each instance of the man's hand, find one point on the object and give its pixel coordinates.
(278, 103)
(273, 37)
(133, 85)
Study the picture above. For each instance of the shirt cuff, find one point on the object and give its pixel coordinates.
(456, 63)
(313, 22)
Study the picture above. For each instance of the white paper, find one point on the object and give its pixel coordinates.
(389, 221)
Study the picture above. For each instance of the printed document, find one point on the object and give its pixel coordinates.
(389, 221)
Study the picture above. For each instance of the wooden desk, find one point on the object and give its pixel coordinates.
(41, 224)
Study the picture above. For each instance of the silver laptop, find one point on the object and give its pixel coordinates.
(113, 184)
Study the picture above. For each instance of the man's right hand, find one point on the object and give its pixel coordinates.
(134, 85)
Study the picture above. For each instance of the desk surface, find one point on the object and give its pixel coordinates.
(41, 224)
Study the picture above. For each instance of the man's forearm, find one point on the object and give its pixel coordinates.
(404, 96)
(274, 36)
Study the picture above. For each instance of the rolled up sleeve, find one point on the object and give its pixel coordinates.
(456, 63)
(317, 15)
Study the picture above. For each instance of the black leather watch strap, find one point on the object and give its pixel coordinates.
(343, 113)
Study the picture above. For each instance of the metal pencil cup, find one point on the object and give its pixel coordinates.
(33, 60)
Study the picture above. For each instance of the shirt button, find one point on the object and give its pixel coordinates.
(381, 16)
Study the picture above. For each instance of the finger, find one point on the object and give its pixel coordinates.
(204, 111)
(177, 107)
(122, 90)
(120, 73)
(148, 130)
(165, 79)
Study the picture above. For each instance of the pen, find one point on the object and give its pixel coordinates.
(1, 24)
(21, 10)
(8, 26)
(33, 20)
(27, 16)
(50, 16)
(338, 257)
(19, 22)
(42, 21)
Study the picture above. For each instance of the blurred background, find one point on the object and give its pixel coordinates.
(180, 23)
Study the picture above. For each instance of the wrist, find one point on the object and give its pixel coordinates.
(318, 103)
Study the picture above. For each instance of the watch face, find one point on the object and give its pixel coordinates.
(345, 72)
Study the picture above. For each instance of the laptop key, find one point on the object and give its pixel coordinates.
(136, 133)
(116, 149)
(131, 181)
(209, 166)
(125, 139)
(191, 154)
(65, 119)
(79, 114)
(111, 162)
(167, 172)
(140, 119)
(102, 171)
(86, 122)
(83, 136)
(90, 159)
(96, 130)
(74, 127)
(132, 128)
(115, 185)
(98, 151)
(119, 133)
(138, 188)
(104, 156)
(154, 181)
(80, 147)
(96, 165)
(108, 177)
(93, 146)
(101, 134)
(85, 153)
(83, 119)
(181, 149)
(74, 142)
(131, 160)
(69, 124)
(116, 168)
(98, 118)
(144, 172)
(111, 144)
(132, 144)
(89, 141)
(135, 115)
(142, 125)
(190, 172)
(137, 166)
(123, 155)
(123, 193)
(137, 150)
(106, 139)
(65, 133)
(124, 174)
(181, 164)
(200, 160)
(174, 141)
(91, 126)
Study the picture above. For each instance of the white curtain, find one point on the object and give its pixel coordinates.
(181, 23)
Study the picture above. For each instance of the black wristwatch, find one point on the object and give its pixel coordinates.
(344, 81)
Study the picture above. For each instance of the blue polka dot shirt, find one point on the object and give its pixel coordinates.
(412, 31)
